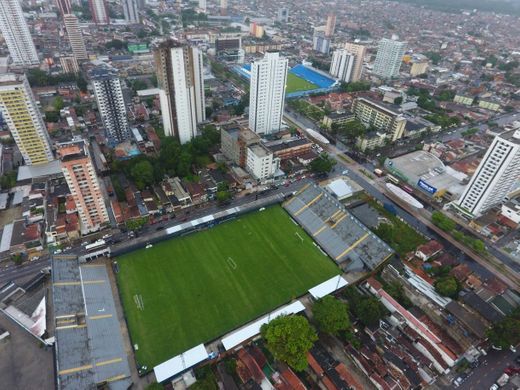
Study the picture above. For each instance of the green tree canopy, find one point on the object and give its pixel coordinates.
(289, 338)
(323, 164)
(443, 222)
(370, 311)
(447, 286)
(331, 315)
(142, 173)
(506, 332)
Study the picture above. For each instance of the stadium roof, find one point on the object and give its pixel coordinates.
(90, 348)
(340, 189)
(328, 287)
(251, 330)
(345, 239)
(180, 363)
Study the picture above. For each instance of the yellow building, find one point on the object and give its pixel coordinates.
(489, 105)
(380, 116)
(23, 119)
(418, 68)
(462, 99)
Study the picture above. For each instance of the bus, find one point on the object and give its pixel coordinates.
(392, 179)
(408, 189)
(99, 244)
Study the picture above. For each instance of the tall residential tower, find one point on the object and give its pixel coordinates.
(131, 11)
(342, 65)
(99, 11)
(267, 93)
(495, 176)
(359, 52)
(23, 119)
(179, 69)
(389, 57)
(79, 172)
(16, 34)
(111, 104)
(77, 44)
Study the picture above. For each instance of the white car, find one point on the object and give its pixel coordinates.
(494, 386)
(148, 246)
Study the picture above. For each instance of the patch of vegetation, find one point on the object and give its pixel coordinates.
(449, 226)
(367, 308)
(507, 331)
(289, 338)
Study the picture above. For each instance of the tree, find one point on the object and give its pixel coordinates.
(58, 103)
(447, 286)
(322, 164)
(52, 116)
(443, 222)
(115, 44)
(370, 311)
(142, 173)
(289, 338)
(331, 315)
(398, 100)
(223, 194)
(507, 331)
(8, 180)
(154, 386)
(82, 84)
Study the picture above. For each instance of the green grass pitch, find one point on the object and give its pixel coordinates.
(296, 84)
(190, 290)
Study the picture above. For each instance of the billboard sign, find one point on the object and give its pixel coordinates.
(426, 187)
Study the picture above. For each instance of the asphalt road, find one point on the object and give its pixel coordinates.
(13, 272)
(487, 373)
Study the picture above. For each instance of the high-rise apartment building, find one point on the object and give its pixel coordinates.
(202, 5)
(64, 6)
(131, 11)
(179, 69)
(321, 43)
(69, 64)
(495, 176)
(267, 93)
(283, 15)
(342, 65)
(111, 104)
(16, 34)
(223, 7)
(389, 57)
(76, 41)
(80, 175)
(330, 26)
(99, 11)
(359, 52)
(19, 110)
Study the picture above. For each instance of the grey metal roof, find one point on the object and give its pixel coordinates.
(336, 230)
(89, 343)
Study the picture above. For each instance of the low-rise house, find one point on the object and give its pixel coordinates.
(429, 250)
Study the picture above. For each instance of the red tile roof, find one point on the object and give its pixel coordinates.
(314, 364)
(347, 377)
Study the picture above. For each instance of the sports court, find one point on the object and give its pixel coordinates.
(193, 289)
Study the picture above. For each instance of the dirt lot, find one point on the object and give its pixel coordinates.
(10, 215)
(23, 363)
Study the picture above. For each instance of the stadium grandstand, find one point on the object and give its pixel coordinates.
(342, 236)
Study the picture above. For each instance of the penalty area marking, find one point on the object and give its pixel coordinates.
(300, 237)
(232, 263)
(138, 299)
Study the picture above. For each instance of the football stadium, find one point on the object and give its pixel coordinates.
(301, 80)
(194, 288)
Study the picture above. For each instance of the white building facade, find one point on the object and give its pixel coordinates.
(131, 11)
(261, 162)
(111, 104)
(389, 58)
(342, 65)
(267, 93)
(16, 34)
(495, 176)
(181, 81)
(99, 11)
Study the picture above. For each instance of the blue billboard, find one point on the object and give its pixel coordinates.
(426, 187)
